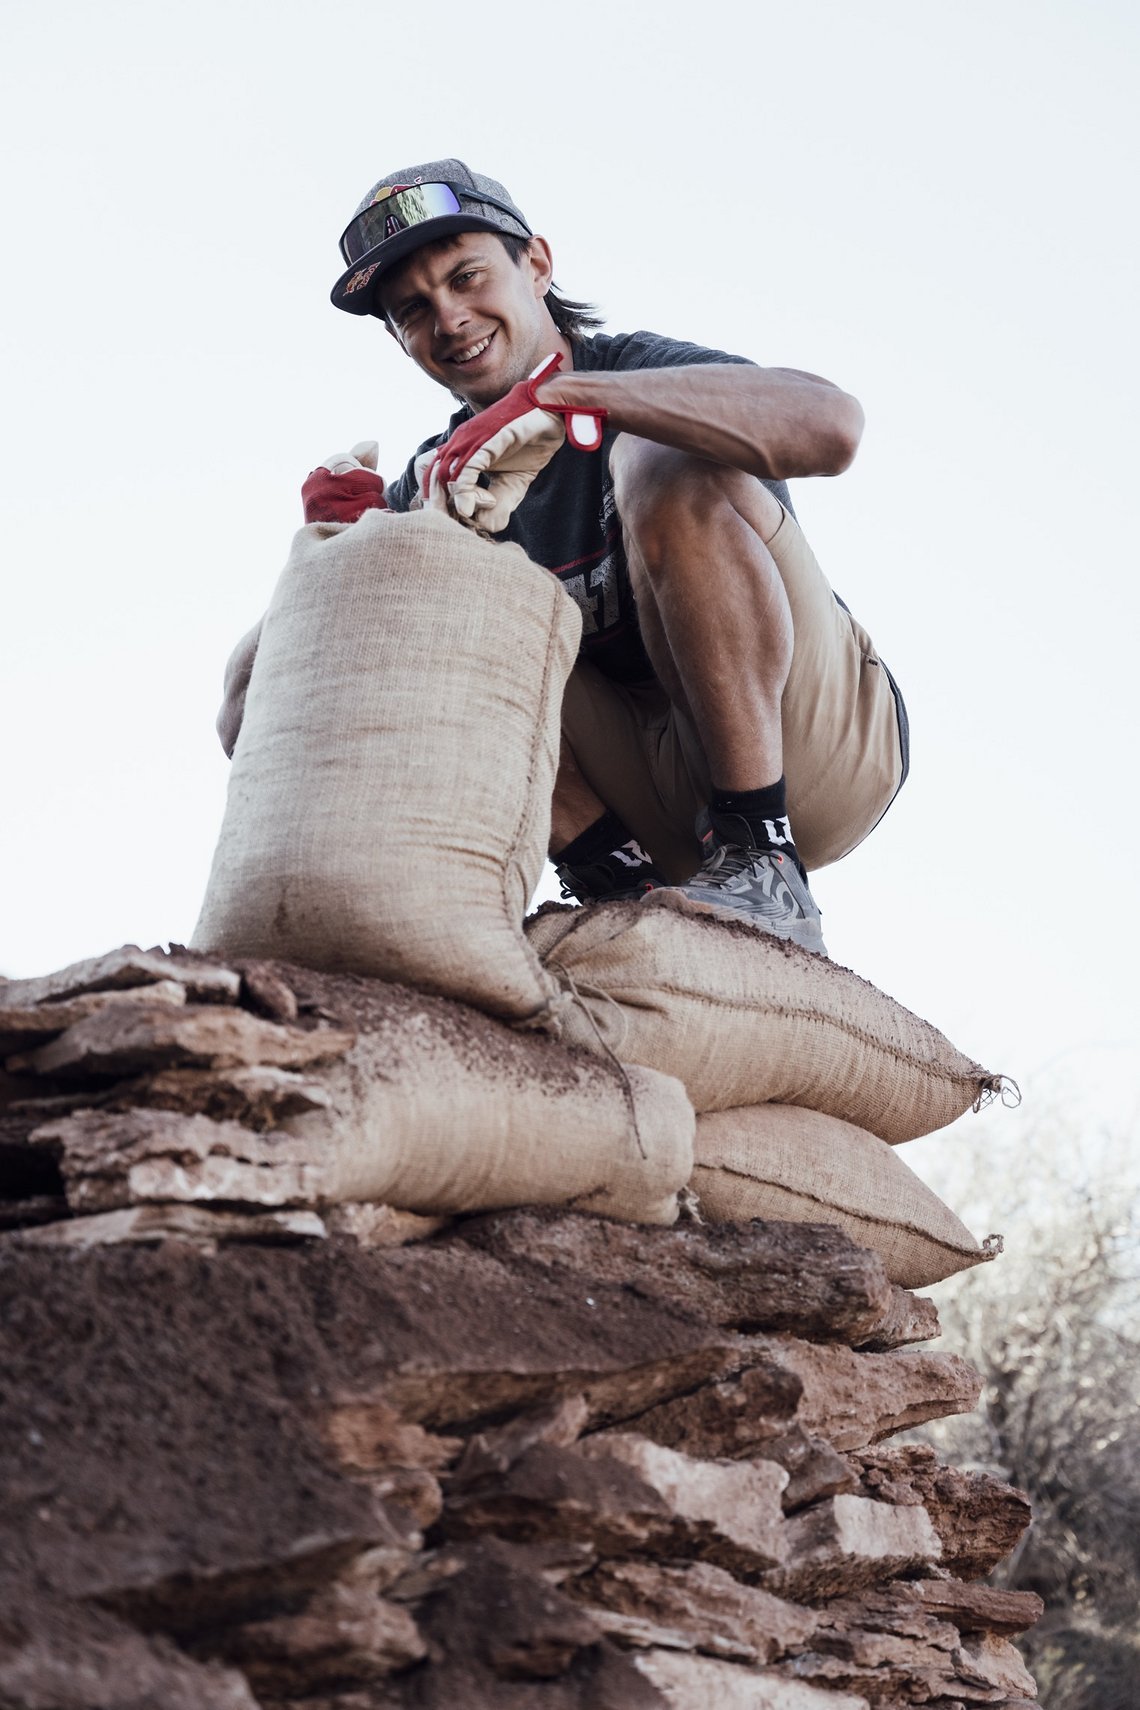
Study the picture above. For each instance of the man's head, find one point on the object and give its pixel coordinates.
(408, 209)
(440, 237)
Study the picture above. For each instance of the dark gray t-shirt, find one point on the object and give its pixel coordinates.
(568, 521)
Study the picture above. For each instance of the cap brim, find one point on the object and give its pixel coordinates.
(375, 263)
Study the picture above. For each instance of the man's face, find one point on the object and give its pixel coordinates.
(469, 317)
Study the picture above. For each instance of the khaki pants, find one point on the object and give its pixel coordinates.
(843, 756)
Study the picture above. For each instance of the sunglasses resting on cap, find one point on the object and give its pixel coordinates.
(399, 208)
(400, 218)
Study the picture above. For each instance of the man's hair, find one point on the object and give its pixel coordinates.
(573, 319)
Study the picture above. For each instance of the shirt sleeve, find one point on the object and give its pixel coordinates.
(402, 491)
(651, 350)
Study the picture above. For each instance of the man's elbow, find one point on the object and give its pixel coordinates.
(822, 441)
(239, 669)
(842, 441)
(229, 721)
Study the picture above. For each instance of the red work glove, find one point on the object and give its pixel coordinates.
(510, 443)
(345, 486)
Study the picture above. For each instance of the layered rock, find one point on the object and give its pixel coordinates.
(263, 1448)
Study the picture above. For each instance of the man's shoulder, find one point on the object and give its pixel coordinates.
(644, 349)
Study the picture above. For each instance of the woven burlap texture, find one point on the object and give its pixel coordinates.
(389, 804)
(798, 1166)
(424, 1117)
(744, 1018)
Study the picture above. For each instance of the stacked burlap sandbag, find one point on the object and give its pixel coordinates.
(799, 1071)
(388, 814)
(799, 1166)
(439, 1109)
(389, 805)
(178, 1096)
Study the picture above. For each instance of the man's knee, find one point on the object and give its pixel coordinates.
(661, 493)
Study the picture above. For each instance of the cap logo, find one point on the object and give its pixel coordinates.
(359, 280)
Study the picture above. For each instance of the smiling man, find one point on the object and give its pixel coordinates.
(728, 724)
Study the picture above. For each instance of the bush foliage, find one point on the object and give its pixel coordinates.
(1053, 1328)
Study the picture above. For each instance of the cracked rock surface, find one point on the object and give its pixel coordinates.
(264, 1450)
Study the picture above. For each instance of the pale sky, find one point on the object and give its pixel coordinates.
(933, 206)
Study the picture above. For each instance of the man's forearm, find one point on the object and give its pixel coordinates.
(776, 423)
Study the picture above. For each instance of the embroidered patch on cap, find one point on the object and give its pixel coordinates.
(359, 280)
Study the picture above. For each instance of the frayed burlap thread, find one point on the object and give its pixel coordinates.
(744, 1018)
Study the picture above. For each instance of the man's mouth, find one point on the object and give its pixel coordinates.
(471, 352)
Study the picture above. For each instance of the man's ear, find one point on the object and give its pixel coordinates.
(541, 263)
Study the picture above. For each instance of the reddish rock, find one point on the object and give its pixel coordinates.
(809, 1279)
(980, 1608)
(57, 1655)
(852, 1398)
(847, 1542)
(128, 968)
(130, 1039)
(527, 1461)
(700, 1606)
(979, 1519)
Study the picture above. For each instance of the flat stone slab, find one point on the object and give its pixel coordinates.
(123, 968)
(129, 1039)
(809, 1279)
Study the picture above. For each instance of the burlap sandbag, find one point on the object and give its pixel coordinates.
(440, 1109)
(389, 804)
(797, 1166)
(745, 1018)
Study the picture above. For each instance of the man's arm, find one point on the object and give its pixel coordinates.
(776, 423)
(238, 669)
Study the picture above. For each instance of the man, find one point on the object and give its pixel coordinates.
(721, 684)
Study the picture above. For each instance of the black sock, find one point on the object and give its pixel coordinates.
(758, 819)
(605, 858)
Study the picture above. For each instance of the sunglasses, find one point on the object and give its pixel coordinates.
(396, 209)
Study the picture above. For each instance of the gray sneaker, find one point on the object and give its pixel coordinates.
(759, 886)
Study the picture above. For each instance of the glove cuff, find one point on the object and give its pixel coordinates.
(583, 427)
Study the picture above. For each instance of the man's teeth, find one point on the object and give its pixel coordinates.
(472, 351)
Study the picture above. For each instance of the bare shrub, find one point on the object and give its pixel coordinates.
(1053, 1329)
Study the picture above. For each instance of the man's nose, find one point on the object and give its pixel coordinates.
(451, 315)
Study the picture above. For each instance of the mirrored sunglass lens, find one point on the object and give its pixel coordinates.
(395, 212)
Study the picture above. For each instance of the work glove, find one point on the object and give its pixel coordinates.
(509, 443)
(344, 486)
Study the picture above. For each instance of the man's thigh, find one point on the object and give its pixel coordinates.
(842, 745)
(842, 748)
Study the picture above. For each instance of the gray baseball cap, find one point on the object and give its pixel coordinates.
(410, 208)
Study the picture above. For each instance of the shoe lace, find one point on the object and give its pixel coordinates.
(733, 858)
(572, 889)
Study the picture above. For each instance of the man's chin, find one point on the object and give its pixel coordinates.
(483, 389)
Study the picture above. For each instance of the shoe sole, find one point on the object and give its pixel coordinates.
(807, 934)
